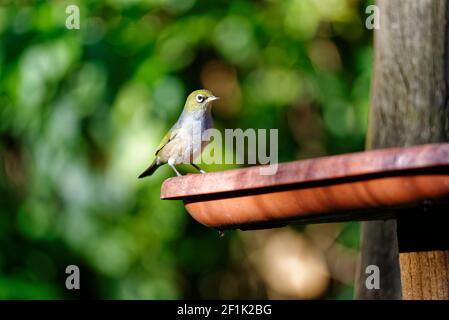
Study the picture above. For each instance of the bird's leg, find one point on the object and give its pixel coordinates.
(176, 171)
(198, 168)
(171, 163)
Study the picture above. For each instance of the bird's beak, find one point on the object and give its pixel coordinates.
(212, 98)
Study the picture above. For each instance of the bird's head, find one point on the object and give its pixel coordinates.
(199, 100)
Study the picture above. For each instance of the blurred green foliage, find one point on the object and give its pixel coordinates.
(81, 112)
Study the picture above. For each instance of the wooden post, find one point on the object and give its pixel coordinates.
(410, 106)
(424, 255)
(379, 247)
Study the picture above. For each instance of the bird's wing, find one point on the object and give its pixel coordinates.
(166, 139)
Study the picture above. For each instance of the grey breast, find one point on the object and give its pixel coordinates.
(188, 144)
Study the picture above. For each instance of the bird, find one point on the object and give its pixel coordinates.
(181, 145)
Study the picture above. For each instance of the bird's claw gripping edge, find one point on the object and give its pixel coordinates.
(171, 163)
(198, 168)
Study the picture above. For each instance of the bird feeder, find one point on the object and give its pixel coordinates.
(377, 184)
(381, 184)
(409, 186)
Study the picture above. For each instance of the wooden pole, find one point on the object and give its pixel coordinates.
(379, 247)
(410, 106)
(424, 255)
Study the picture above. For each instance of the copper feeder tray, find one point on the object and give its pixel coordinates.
(367, 185)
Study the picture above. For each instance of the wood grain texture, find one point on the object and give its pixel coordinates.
(358, 186)
(427, 275)
(356, 200)
(410, 91)
(379, 247)
(319, 171)
(410, 94)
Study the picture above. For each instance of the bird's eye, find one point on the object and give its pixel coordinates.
(200, 98)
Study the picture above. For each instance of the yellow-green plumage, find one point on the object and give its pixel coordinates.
(178, 145)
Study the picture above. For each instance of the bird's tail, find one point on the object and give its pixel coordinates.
(150, 170)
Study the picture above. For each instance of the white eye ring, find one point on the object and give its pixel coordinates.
(200, 98)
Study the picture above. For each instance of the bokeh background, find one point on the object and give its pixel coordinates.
(81, 112)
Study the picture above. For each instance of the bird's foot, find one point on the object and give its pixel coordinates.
(172, 165)
(198, 168)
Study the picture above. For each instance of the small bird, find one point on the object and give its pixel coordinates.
(180, 145)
